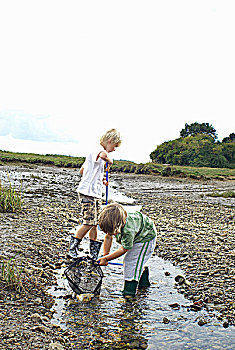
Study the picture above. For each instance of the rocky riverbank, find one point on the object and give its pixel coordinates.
(195, 232)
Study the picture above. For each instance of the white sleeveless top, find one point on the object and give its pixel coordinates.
(91, 183)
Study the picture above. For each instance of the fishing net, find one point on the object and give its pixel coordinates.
(84, 276)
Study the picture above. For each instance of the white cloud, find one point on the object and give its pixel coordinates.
(30, 127)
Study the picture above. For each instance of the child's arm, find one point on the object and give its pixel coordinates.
(107, 244)
(103, 155)
(119, 252)
(81, 170)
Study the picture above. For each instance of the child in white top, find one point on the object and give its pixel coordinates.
(90, 192)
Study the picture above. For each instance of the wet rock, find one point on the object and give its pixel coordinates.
(36, 317)
(175, 306)
(165, 320)
(55, 346)
(134, 344)
(72, 302)
(180, 279)
(202, 321)
(195, 307)
(225, 324)
(38, 301)
(41, 328)
(37, 243)
(85, 298)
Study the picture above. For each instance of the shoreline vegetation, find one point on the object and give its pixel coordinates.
(151, 168)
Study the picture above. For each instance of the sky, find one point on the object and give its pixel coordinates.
(70, 70)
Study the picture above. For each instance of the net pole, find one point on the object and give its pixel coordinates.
(107, 179)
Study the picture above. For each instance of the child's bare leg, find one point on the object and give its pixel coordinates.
(82, 231)
(93, 233)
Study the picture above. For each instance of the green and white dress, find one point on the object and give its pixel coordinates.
(139, 237)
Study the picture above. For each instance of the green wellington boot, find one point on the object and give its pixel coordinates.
(144, 279)
(130, 288)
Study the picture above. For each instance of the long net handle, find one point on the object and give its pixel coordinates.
(113, 263)
(107, 179)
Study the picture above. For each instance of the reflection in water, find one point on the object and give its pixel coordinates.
(99, 327)
(129, 326)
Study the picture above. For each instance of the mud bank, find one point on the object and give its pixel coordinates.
(195, 232)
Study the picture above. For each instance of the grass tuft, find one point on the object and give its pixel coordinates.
(10, 199)
(11, 274)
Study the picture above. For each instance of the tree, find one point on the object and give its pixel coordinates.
(197, 128)
(199, 149)
(230, 138)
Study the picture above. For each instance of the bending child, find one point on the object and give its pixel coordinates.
(90, 192)
(136, 233)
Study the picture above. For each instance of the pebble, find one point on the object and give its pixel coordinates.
(165, 320)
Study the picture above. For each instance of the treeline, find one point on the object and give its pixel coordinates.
(197, 147)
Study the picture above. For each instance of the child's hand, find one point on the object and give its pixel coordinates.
(102, 261)
(105, 182)
(108, 167)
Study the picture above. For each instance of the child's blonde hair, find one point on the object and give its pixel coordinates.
(113, 136)
(112, 218)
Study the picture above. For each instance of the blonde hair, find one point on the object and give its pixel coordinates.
(112, 218)
(111, 135)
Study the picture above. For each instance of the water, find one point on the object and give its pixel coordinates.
(148, 321)
(112, 319)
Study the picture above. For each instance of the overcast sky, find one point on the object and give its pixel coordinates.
(70, 70)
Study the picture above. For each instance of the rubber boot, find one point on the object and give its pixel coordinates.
(73, 248)
(95, 248)
(130, 288)
(144, 279)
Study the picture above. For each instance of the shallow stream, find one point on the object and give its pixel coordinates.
(157, 318)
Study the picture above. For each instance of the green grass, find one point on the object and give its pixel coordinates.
(48, 159)
(151, 168)
(11, 274)
(227, 194)
(10, 199)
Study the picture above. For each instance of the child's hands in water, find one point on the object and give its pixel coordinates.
(102, 261)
